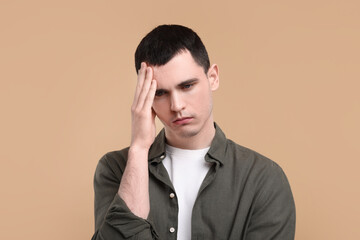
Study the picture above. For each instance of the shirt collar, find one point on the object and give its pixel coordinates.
(157, 149)
(217, 148)
(218, 145)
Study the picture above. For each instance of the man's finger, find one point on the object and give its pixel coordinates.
(145, 89)
(151, 95)
(140, 82)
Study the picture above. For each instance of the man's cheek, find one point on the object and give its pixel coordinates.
(158, 112)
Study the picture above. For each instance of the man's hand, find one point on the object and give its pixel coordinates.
(134, 185)
(143, 116)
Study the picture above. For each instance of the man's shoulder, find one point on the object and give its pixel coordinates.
(260, 171)
(117, 155)
(114, 161)
(244, 157)
(235, 155)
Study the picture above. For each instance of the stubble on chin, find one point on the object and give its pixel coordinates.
(188, 134)
(184, 134)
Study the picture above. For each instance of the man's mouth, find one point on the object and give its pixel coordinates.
(181, 121)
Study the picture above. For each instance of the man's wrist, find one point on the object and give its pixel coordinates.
(135, 149)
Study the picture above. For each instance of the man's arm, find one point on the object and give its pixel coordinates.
(134, 186)
(121, 210)
(273, 215)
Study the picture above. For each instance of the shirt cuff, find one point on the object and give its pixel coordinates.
(121, 218)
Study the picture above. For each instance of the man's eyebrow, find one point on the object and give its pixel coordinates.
(189, 81)
(186, 82)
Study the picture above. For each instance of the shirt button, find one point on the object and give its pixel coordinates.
(172, 229)
(172, 195)
(162, 156)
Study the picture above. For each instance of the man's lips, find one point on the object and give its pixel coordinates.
(184, 120)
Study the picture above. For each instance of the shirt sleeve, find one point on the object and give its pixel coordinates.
(113, 219)
(273, 213)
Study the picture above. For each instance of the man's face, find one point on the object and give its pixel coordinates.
(183, 100)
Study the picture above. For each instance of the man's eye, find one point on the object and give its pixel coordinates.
(187, 86)
(159, 93)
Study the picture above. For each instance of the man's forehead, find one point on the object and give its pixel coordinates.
(180, 68)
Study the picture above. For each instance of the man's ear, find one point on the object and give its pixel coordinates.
(213, 76)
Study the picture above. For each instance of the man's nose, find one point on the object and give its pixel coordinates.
(177, 102)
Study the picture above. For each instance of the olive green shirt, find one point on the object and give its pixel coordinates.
(243, 196)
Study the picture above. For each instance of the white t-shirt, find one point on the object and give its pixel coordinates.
(187, 170)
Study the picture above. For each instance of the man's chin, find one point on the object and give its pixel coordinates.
(183, 131)
(188, 134)
(186, 131)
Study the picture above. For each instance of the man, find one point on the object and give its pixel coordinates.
(190, 181)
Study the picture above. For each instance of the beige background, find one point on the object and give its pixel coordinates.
(289, 73)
